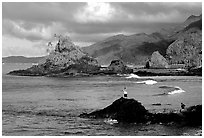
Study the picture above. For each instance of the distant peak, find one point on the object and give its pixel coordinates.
(194, 17)
(141, 34)
(118, 36)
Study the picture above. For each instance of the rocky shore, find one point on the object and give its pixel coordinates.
(69, 60)
(169, 72)
(66, 59)
(131, 111)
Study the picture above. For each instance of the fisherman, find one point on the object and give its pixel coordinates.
(124, 92)
(182, 107)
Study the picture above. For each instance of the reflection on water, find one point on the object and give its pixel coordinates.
(50, 106)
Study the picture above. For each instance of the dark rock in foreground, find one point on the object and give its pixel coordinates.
(123, 110)
(132, 111)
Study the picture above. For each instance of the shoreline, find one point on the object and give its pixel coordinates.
(139, 72)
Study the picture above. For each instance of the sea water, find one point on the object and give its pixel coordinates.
(51, 106)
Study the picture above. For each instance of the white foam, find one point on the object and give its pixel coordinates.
(148, 82)
(132, 76)
(180, 69)
(177, 90)
(111, 121)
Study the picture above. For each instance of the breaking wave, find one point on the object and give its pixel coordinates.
(132, 76)
(111, 121)
(148, 82)
(170, 90)
(176, 90)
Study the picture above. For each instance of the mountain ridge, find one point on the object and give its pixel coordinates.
(136, 48)
(21, 59)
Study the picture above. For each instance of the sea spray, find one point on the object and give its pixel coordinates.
(132, 76)
(177, 90)
(148, 82)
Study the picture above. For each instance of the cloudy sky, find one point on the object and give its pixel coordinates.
(27, 27)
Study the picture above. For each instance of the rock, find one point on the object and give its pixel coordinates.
(195, 71)
(157, 104)
(65, 59)
(117, 66)
(193, 115)
(123, 110)
(162, 72)
(65, 53)
(157, 61)
(132, 111)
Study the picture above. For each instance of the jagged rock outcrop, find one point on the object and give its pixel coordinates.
(65, 59)
(118, 66)
(131, 111)
(157, 61)
(65, 53)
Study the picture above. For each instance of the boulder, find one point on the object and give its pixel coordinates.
(157, 61)
(123, 110)
(118, 66)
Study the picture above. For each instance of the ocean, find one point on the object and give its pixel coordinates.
(50, 106)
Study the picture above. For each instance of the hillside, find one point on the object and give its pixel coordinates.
(187, 48)
(131, 49)
(21, 59)
(137, 48)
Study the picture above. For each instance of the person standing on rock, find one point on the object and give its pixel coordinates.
(124, 92)
(182, 107)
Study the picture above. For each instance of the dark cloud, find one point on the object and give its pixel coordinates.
(158, 7)
(41, 12)
(124, 17)
(91, 22)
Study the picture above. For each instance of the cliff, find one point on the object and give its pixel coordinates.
(187, 48)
